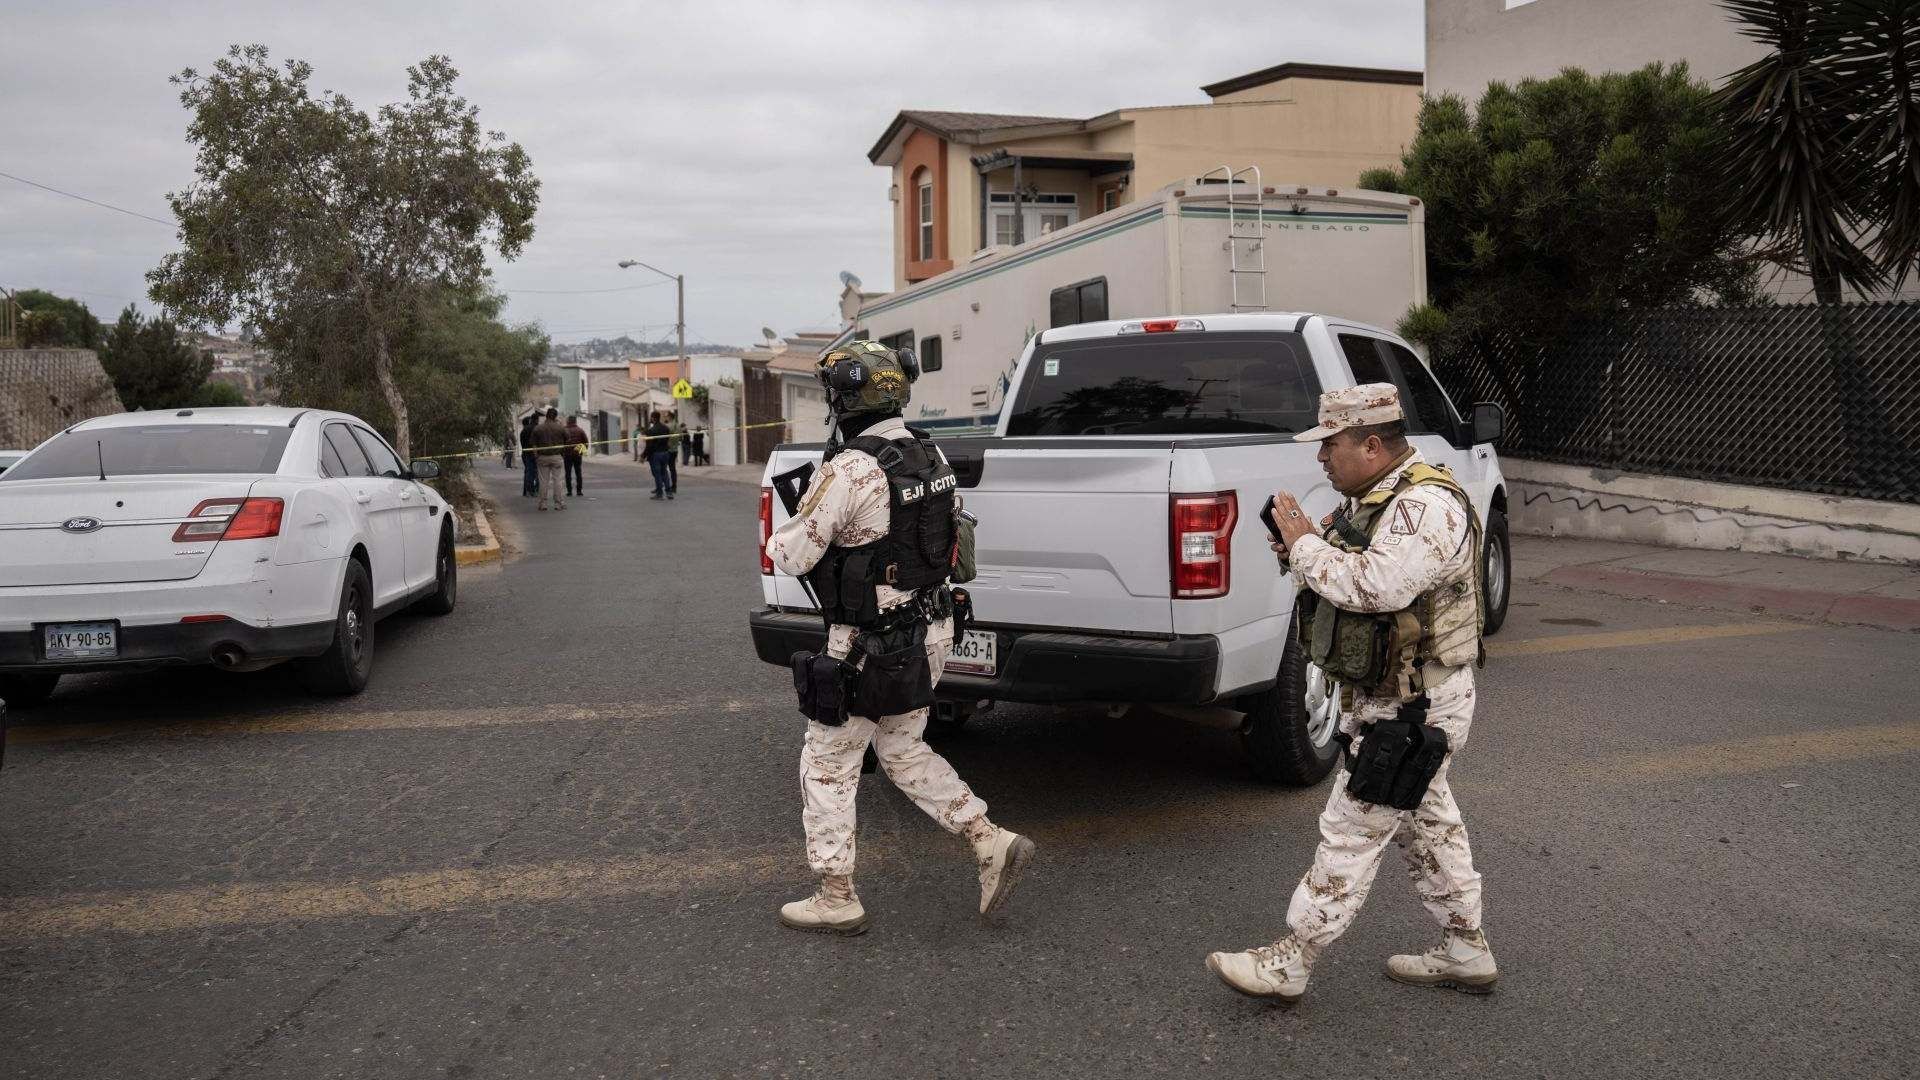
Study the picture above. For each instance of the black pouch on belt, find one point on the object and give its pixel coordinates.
(962, 612)
(1398, 758)
(895, 678)
(821, 681)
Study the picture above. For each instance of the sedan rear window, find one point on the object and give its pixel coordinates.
(1169, 384)
(157, 450)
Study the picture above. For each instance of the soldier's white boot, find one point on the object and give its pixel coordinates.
(1004, 855)
(1277, 972)
(832, 909)
(1462, 960)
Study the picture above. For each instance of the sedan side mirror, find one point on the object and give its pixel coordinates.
(1489, 422)
(425, 470)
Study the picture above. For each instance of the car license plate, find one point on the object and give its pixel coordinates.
(974, 653)
(82, 640)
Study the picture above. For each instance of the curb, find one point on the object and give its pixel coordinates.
(1844, 608)
(487, 550)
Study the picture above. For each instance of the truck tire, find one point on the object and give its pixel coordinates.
(348, 663)
(1496, 571)
(1287, 743)
(26, 691)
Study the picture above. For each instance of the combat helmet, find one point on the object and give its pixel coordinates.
(866, 377)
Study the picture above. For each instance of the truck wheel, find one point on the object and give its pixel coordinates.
(347, 664)
(26, 691)
(1496, 571)
(1289, 729)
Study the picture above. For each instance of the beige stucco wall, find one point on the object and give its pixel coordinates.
(1473, 42)
(1321, 133)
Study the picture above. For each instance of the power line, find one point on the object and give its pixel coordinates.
(584, 292)
(84, 199)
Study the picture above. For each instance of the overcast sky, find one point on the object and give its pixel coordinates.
(723, 140)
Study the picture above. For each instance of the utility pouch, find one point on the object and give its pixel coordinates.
(965, 567)
(822, 681)
(895, 678)
(962, 611)
(1398, 758)
(1352, 647)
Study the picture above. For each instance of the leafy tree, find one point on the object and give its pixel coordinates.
(462, 369)
(1824, 154)
(152, 365)
(307, 208)
(1568, 197)
(55, 322)
(217, 395)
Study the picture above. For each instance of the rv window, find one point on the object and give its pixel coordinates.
(1169, 384)
(1082, 302)
(929, 354)
(896, 342)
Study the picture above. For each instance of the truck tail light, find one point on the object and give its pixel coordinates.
(1161, 326)
(766, 528)
(1201, 530)
(231, 519)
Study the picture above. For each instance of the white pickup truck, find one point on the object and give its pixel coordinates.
(1121, 554)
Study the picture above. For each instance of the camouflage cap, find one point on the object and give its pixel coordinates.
(1352, 407)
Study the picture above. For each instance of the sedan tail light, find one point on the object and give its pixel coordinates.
(231, 519)
(766, 528)
(1201, 530)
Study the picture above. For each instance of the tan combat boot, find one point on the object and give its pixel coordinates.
(832, 909)
(1462, 961)
(1003, 855)
(1277, 972)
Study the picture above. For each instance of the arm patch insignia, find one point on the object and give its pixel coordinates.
(1407, 515)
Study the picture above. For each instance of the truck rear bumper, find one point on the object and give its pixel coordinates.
(1043, 666)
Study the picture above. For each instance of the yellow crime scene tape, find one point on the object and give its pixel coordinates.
(639, 436)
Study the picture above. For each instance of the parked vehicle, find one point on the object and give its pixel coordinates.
(238, 537)
(1121, 555)
(1208, 245)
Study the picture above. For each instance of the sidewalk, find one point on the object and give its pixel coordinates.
(1847, 593)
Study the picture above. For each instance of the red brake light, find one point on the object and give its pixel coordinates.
(231, 519)
(1201, 532)
(1160, 326)
(766, 528)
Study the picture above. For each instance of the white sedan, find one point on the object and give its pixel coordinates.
(239, 538)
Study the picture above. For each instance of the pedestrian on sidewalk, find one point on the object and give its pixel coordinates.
(529, 461)
(659, 456)
(673, 459)
(1402, 553)
(684, 439)
(700, 445)
(550, 439)
(576, 454)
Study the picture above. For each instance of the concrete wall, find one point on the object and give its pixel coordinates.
(1594, 504)
(43, 391)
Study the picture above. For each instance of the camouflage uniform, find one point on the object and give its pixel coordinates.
(1422, 544)
(848, 505)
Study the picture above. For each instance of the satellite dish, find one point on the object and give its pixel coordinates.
(767, 332)
(847, 279)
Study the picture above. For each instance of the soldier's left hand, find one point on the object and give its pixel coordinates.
(1294, 522)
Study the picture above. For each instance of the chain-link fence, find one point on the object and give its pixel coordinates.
(1804, 396)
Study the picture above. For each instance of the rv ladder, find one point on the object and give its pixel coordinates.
(1246, 236)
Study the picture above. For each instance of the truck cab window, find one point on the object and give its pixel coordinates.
(1429, 400)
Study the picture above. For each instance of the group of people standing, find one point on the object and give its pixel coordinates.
(549, 448)
(667, 448)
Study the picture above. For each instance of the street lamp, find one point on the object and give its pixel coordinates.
(680, 305)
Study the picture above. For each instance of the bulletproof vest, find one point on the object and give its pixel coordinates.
(1382, 652)
(916, 553)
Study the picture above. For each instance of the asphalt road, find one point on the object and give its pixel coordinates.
(550, 841)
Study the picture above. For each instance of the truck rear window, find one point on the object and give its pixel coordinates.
(1193, 383)
(157, 450)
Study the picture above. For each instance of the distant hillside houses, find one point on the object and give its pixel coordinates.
(241, 364)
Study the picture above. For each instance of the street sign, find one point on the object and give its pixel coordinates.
(683, 390)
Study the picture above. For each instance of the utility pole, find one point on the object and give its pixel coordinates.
(680, 309)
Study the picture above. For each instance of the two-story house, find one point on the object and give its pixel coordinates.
(966, 181)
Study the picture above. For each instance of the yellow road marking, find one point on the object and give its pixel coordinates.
(309, 722)
(1765, 753)
(1658, 635)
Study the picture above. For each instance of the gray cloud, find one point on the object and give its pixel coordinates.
(724, 141)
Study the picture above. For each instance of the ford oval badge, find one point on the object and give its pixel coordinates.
(80, 525)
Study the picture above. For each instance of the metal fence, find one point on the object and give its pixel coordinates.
(1806, 396)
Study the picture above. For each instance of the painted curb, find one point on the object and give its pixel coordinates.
(487, 550)
(1886, 612)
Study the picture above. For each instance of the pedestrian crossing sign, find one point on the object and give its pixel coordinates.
(683, 390)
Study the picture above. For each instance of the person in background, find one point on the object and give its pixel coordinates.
(576, 454)
(550, 441)
(659, 456)
(673, 458)
(700, 445)
(530, 482)
(685, 439)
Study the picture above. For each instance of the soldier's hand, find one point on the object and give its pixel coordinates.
(1294, 522)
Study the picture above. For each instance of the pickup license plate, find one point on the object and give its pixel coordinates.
(82, 640)
(974, 653)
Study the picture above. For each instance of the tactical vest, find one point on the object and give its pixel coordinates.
(1382, 653)
(916, 553)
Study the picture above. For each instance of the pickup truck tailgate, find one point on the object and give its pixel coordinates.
(1069, 535)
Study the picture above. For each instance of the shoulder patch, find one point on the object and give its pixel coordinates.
(1407, 515)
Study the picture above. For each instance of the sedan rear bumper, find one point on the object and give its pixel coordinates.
(231, 642)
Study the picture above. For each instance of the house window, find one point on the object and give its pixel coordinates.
(1040, 214)
(1081, 302)
(926, 215)
(929, 354)
(1109, 199)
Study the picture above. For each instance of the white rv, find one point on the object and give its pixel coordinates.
(1217, 244)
